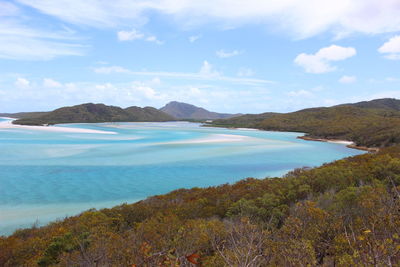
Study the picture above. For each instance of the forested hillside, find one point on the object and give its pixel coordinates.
(383, 103)
(96, 113)
(346, 213)
(373, 123)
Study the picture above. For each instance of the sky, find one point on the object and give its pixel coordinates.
(247, 56)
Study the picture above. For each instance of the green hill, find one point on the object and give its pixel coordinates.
(372, 123)
(88, 113)
(187, 111)
(148, 114)
(346, 213)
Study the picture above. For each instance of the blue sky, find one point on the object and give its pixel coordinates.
(229, 56)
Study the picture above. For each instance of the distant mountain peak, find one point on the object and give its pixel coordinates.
(182, 110)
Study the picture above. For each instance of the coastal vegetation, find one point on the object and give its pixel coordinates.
(89, 112)
(345, 213)
(373, 123)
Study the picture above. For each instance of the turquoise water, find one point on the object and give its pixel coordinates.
(48, 175)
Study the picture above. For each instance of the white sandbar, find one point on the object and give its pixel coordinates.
(8, 125)
(343, 142)
(215, 138)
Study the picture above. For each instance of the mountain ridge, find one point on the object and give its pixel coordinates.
(182, 110)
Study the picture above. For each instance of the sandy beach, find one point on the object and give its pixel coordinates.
(343, 142)
(349, 144)
(8, 125)
(247, 129)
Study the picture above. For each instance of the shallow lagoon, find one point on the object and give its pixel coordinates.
(47, 175)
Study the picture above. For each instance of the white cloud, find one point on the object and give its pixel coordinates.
(226, 54)
(136, 35)
(154, 39)
(8, 9)
(50, 83)
(130, 35)
(392, 79)
(393, 56)
(341, 17)
(206, 72)
(313, 64)
(320, 62)
(147, 92)
(22, 83)
(20, 48)
(336, 53)
(156, 81)
(194, 38)
(21, 41)
(348, 79)
(391, 48)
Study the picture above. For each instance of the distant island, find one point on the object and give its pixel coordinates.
(90, 113)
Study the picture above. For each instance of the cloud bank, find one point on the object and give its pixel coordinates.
(341, 17)
(391, 49)
(320, 62)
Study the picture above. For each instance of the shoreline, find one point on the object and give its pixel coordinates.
(9, 125)
(348, 144)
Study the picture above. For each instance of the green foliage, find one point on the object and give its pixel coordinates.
(57, 246)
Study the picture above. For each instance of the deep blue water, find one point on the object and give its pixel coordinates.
(48, 175)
